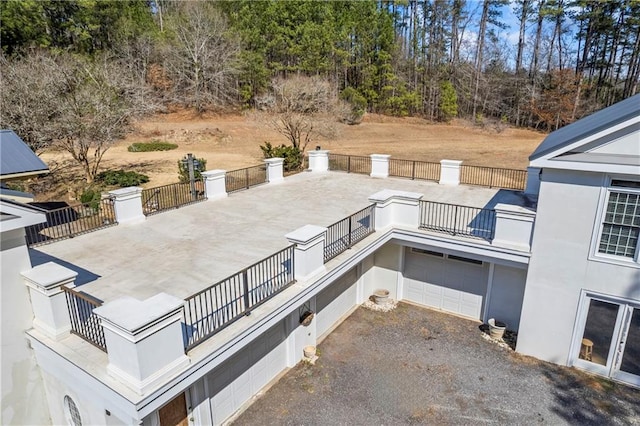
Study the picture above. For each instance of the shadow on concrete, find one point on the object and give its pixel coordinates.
(84, 276)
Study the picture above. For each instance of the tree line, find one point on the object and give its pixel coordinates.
(438, 59)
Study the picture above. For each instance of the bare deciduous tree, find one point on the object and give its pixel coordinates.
(79, 105)
(304, 109)
(202, 58)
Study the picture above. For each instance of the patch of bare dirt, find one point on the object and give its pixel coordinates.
(232, 141)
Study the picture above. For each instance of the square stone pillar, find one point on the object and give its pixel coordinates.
(380, 165)
(514, 227)
(309, 250)
(396, 208)
(51, 315)
(533, 181)
(450, 172)
(144, 339)
(274, 169)
(128, 204)
(215, 186)
(319, 161)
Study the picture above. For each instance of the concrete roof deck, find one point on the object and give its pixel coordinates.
(186, 250)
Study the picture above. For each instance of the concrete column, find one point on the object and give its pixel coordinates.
(144, 339)
(309, 251)
(128, 204)
(214, 184)
(380, 165)
(533, 181)
(319, 161)
(51, 315)
(274, 169)
(450, 172)
(396, 208)
(514, 227)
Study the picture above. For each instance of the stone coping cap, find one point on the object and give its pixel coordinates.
(126, 191)
(275, 160)
(306, 233)
(316, 152)
(380, 156)
(132, 314)
(388, 194)
(49, 274)
(511, 208)
(213, 173)
(450, 162)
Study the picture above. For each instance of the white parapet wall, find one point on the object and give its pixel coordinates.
(214, 184)
(514, 227)
(274, 169)
(450, 172)
(127, 204)
(319, 160)
(396, 208)
(309, 250)
(380, 165)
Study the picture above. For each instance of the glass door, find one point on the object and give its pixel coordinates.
(609, 343)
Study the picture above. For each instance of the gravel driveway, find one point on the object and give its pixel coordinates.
(417, 366)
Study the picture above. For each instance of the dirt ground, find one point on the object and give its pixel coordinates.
(233, 141)
(418, 366)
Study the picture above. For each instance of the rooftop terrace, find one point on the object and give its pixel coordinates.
(185, 250)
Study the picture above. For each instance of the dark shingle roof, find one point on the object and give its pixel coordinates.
(16, 157)
(588, 126)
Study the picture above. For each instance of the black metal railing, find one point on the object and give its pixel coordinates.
(84, 322)
(236, 180)
(214, 308)
(458, 220)
(493, 177)
(343, 234)
(172, 196)
(414, 169)
(350, 163)
(69, 221)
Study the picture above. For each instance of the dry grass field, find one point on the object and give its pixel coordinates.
(233, 141)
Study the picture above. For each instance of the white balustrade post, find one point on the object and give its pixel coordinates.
(319, 160)
(144, 339)
(533, 181)
(215, 184)
(450, 172)
(51, 315)
(309, 250)
(396, 208)
(514, 226)
(127, 204)
(275, 169)
(380, 165)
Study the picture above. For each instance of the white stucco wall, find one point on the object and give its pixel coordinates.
(23, 397)
(560, 267)
(507, 292)
(385, 273)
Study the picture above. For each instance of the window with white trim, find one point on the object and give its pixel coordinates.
(620, 230)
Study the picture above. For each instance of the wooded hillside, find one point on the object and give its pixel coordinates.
(435, 58)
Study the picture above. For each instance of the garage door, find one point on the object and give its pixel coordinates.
(450, 283)
(241, 377)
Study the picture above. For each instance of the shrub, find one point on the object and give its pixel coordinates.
(183, 170)
(154, 145)
(122, 178)
(92, 197)
(292, 155)
(448, 102)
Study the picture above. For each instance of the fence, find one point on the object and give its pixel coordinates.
(350, 163)
(84, 322)
(343, 234)
(458, 220)
(212, 309)
(172, 196)
(493, 177)
(69, 221)
(245, 178)
(414, 169)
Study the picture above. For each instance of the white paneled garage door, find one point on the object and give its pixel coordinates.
(450, 283)
(242, 376)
